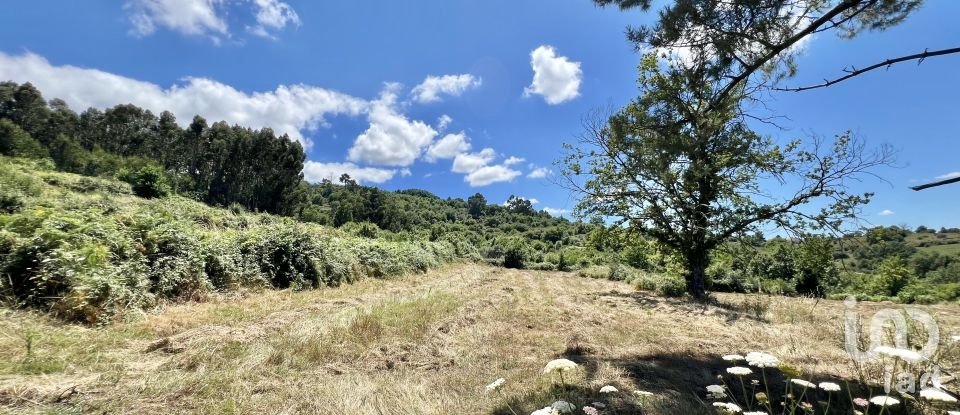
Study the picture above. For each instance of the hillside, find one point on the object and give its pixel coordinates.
(425, 344)
(88, 250)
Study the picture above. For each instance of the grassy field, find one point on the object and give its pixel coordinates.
(419, 344)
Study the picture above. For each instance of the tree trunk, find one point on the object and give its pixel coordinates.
(697, 262)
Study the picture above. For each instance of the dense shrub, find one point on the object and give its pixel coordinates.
(516, 254)
(149, 181)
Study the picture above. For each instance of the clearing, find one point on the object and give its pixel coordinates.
(418, 344)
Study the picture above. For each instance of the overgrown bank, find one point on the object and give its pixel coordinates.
(88, 250)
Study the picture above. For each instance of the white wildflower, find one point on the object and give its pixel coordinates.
(729, 407)
(559, 365)
(546, 410)
(739, 370)
(760, 359)
(642, 393)
(609, 389)
(496, 384)
(733, 358)
(935, 394)
(716, 392)
(805, 384)
(829, 386)
(884, 400)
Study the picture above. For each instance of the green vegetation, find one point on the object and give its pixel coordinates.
(90, 250)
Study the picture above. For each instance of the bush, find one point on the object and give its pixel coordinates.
(892, 276)
(11, 200)
(149, 181)
(515, 256)
(595, 272)
(661, 284)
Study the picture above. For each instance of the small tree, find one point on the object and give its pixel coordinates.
(518, 204)
(476, 204)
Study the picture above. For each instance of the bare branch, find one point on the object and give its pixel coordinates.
(852, 72)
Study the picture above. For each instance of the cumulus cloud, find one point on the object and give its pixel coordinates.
(208, 17)
(478, 170)
(886, 212)
(289, 109)
(273, 15)
(538, 172)
(189, 17)
(448, 147)
(556, 78)
(391, 139)
(948, 176)
(513, 160)
(555, 212)
(443, 122)
(490, 174)
(431, 89)
(471, 162)
(315, 172)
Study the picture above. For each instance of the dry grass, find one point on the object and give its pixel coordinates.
(415, 345)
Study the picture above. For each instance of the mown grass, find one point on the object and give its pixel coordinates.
(423, 344)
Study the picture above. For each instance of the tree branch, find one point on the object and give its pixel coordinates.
(887, 63)
(773, 52)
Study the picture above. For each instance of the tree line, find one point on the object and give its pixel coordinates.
(218, 164)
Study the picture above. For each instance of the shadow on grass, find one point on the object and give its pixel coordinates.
(729, 311)
(679, 383)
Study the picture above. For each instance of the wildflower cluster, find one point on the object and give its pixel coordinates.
(562, 371)
(743, 392)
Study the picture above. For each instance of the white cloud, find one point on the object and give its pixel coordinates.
(555, 212)
(513, 160)
(433, 86)
(189, 17)
(448, 147)
(538, 172)
(273, 15)
(471, 162)
(289, 109)
(948, 176)
(443, 122)
(556, 78)
(391, 139)
(532, 200)
(490, 174)
(315, 172)
(886, 212)
(404, 172)
(208, 17)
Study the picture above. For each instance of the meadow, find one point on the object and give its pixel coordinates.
(424, 344)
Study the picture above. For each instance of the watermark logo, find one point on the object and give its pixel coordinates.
(889, 335)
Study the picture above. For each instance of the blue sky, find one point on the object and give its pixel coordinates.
(449, 96)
